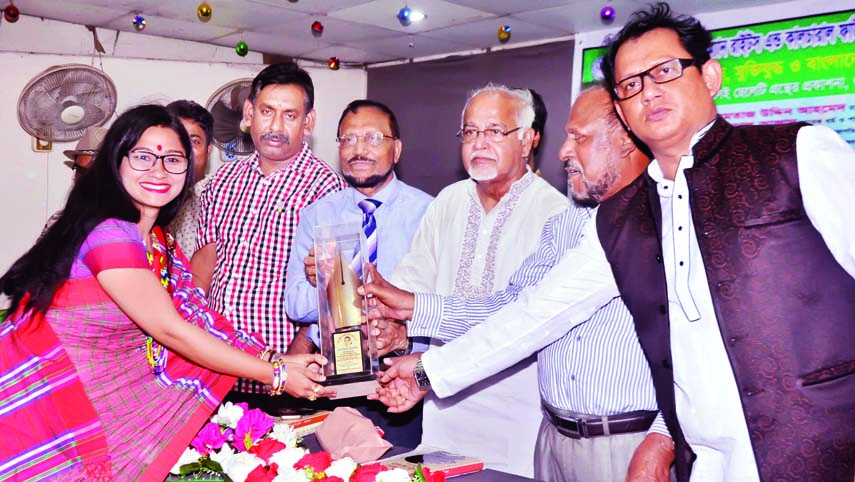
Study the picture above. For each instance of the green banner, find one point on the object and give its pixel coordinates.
(789, 70)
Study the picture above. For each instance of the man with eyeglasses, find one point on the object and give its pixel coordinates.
(471, 240)
(369, 148)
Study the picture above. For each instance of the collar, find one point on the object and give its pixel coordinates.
(388, 194)
(687, 161)
(295, 163)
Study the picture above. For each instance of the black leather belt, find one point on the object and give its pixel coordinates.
(589, 427)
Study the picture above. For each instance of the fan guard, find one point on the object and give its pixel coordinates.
(60, 103)
(226, 105)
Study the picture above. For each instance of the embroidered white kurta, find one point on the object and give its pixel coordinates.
(462, 250)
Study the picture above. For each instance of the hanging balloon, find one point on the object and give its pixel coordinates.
(139, 23)
(607, 14)
(204, 11)
(334, 63)
(404, 16)
(11, 13)
(242, 48)
(317, 28)
(504, 33)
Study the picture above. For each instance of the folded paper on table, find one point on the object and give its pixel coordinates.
(305, 424)
(436, 460)
(347, 433)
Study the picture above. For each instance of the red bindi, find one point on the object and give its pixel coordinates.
(159, 147)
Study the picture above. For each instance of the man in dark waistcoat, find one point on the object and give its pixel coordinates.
(733, 257)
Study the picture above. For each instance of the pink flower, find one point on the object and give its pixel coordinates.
(318, 462)
(262, 474)
(252, 426)
(331, 478)
(367, 473)
(266, 448)
(211, 437)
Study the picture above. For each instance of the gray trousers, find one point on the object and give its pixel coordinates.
(601, 459)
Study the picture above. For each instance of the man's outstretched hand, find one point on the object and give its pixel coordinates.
(387, 300)
(398, 388)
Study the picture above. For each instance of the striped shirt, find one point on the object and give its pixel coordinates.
(595, 368)
(253, 218)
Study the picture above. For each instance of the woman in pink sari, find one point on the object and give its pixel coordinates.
(110, 360)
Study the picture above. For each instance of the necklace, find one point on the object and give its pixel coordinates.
(160, 243)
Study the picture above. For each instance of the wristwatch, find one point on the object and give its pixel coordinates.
(421, 376)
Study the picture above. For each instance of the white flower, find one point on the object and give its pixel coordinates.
(188, 457)
(290, 474)
(394, 475)
(228, 415)
(286, 458)
(239, 465)
(285, 434)
(342, 468)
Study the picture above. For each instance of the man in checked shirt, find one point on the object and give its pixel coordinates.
(595, 385)
(249, 212)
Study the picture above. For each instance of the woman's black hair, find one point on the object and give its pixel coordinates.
(97, 196)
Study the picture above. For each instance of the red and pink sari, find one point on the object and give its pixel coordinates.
(79, 397)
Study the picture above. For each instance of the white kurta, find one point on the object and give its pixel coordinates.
(459, 249)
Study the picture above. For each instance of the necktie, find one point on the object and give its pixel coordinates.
(369, 227)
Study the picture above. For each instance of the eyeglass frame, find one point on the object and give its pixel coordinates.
(157, 158)
(683, 63)
(491, 138)
(364, 138)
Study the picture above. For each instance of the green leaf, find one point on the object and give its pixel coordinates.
(188, 469)
(418, 474)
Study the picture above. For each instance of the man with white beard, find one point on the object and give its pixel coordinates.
(472, 238)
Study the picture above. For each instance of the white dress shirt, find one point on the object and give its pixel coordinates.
(708, 403)
(461, 249)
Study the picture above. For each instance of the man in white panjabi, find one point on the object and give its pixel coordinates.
(472, 238)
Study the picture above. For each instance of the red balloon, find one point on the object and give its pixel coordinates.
(317, 28)
(11, 14)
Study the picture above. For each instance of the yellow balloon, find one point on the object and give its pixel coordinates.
(204, 11)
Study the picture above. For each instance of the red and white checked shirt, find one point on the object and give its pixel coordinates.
(253, 219)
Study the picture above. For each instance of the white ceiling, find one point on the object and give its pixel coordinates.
(357, 31)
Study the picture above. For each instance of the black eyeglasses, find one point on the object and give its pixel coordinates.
(145, 161)
(371, 138)
(661, 73)
(492, 134)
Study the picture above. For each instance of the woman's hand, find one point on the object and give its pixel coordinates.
(304, 374)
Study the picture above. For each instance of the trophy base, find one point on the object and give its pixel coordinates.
(355, 389)
(352, 385)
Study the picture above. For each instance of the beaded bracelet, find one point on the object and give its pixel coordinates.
(280, 377)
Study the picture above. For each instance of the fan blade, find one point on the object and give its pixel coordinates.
(226, 122)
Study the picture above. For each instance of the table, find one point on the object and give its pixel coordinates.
(486, 475)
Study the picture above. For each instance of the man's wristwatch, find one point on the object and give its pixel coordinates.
(421, 376)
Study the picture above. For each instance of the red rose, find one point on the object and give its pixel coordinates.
(266, 448)
(367, 473)
(262, 474)
(319, 461)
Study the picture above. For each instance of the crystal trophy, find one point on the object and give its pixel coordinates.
(344, 334)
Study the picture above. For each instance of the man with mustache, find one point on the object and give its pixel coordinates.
(587, 372)
(471, 239)
(249, 211)
(369, 148)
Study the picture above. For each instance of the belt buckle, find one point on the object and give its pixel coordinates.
(565, 427)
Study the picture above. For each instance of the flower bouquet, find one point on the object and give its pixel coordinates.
(240, 445)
